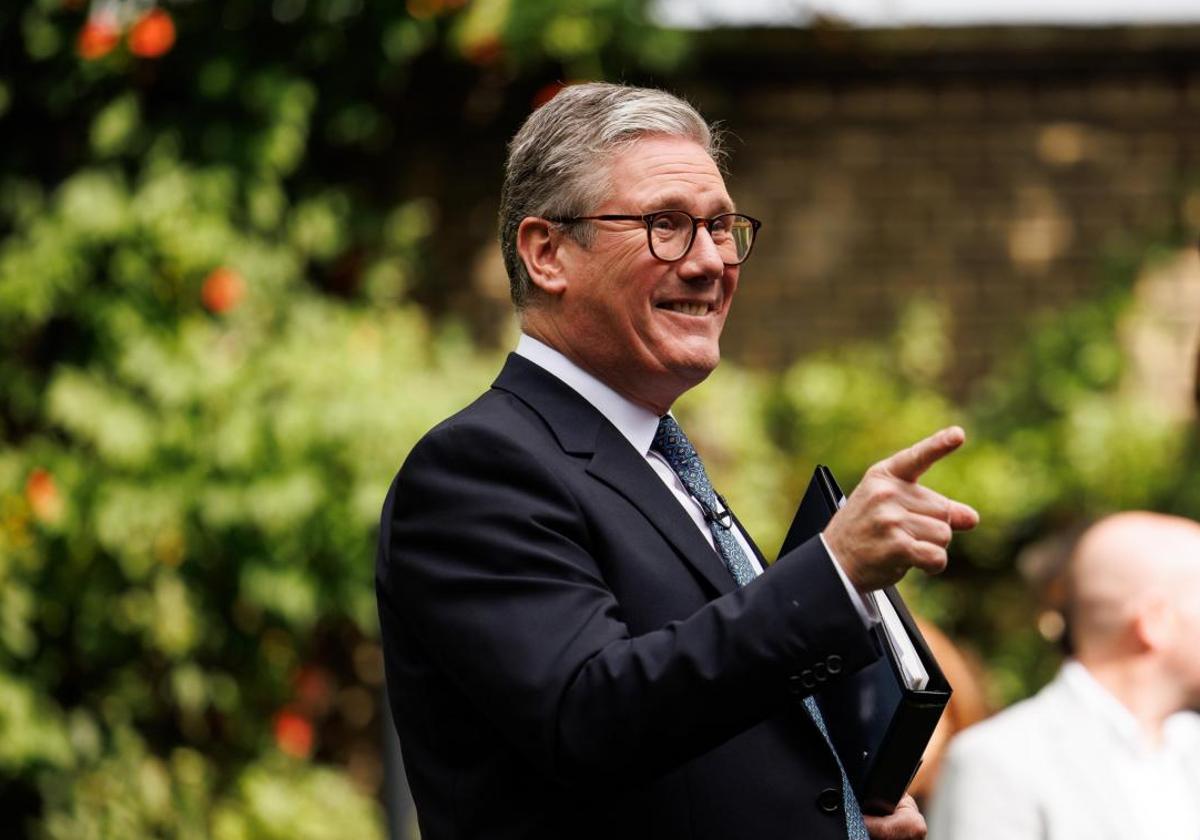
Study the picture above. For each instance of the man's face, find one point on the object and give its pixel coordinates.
(649, 329)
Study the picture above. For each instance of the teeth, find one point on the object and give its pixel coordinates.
(688, 308)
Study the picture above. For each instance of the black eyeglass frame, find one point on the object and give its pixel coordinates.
(648, 220)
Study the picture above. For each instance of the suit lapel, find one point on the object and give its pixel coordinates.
(581, 430)
(624, 470)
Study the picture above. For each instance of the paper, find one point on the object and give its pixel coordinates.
(908, 662)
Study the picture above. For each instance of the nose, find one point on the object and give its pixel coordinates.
(703, 261)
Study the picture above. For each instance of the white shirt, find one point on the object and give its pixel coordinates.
(1151, 777)
(638, 425)
(1070, 763)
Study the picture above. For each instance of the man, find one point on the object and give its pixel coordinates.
(1106, 750)
(580, 641)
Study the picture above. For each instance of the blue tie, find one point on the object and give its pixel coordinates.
(678, 452)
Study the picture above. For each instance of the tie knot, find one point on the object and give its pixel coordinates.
(669, 435)
(671, 443)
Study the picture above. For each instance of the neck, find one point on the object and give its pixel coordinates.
(1138, 686)
(658, 400)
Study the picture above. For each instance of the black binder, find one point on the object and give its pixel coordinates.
(878, 726)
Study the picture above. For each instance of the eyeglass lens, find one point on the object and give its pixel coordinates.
(671, 234)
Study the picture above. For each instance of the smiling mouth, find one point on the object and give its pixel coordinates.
(686, 307)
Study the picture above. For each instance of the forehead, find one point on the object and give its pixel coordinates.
(657, 172)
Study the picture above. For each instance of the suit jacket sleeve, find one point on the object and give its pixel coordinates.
(488, 559)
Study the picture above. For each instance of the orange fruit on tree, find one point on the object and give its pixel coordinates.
(222, 291)
(152, 35)
(96, 39)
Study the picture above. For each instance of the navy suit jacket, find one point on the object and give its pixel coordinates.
(568, 657)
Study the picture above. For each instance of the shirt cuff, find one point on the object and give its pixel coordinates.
(864, 605)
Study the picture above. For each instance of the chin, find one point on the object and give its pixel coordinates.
(696, 370)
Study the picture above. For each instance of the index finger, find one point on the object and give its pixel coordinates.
(909, 464)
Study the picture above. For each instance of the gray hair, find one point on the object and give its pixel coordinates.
(557, 161)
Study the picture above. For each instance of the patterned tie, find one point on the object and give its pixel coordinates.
(678, 452)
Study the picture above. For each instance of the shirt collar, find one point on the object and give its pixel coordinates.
(1178, 730)
(1100, 701)
(636, 424)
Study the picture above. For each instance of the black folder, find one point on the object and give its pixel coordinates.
(878, 726)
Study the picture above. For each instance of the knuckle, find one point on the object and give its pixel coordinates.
(903, 548)
(883, 492)
(890, 525)
(921, 551)
(937, 560)
(920, 554)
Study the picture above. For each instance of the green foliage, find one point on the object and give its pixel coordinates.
(132, 793)
(1053, 438)
(213, 478)
(210, 241)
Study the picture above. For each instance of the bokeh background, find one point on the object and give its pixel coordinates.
(247, 257)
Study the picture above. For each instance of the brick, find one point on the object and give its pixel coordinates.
(1061, 101)
(909, 101)
(960, 100)
(1008, 100)
(874, 191)
(859, 148)
(863, 102)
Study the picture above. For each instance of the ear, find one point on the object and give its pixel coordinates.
(1154, 624)
(539, 243)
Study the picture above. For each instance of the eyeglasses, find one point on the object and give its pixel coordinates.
(670, 233)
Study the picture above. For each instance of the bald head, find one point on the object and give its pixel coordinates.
(1122, 566)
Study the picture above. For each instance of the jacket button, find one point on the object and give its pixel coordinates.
(807, 678)
(830, 800)
(821, 671)
(834, 663)
(795, 686)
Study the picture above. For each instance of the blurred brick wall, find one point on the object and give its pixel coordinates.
(993, 171)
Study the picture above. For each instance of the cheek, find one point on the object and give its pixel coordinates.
(630, 253)
(731, 279)
(1194, 636)
(629, 284)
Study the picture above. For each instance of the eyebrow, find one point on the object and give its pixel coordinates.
(677, 200)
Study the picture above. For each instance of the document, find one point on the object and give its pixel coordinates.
(912, 670)
(881, 718)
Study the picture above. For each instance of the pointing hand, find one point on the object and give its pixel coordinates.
(890, 523)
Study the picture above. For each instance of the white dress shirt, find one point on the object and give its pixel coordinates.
(1070, 763)
(638, 425)
(1151, 777)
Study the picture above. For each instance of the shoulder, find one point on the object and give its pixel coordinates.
(1008, 739)
(489, 477)
(1018, 719)
(988, 785)
(526, 410)
(498, 439)
(496, 416)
